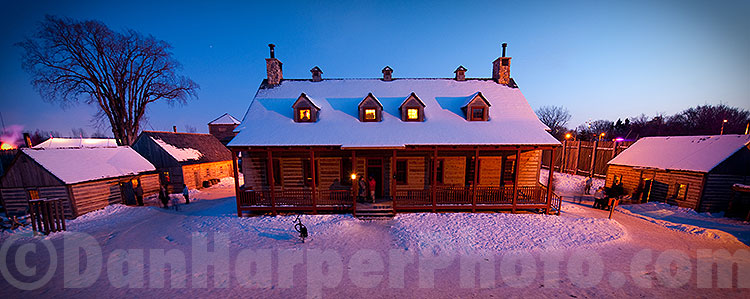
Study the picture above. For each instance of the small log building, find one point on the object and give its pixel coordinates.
(223, 128)
(694, 172)
(430, 144)
(188, 158)
(87, 179)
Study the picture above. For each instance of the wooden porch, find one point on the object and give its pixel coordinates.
(433, 196)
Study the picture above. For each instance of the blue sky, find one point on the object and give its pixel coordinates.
(600, 59)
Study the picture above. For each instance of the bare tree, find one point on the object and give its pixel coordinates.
(190, 129)
(555, 117)
(121, 72)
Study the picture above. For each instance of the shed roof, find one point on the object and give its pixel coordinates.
(225, 119)
(76, 165)
(190, 148)
(55, 142)
(691, 153)
(269, 120)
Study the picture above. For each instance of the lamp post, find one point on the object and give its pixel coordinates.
(601, 136)
(722, 127)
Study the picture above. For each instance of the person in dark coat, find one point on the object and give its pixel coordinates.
(186, 193)
(139, 193)
(164, 196)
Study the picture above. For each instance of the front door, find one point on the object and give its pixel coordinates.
(375, 170)
(197, 178)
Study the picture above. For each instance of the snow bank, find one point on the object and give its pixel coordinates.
(465, 233)
(707, 225)
(181, 154)
(570, 183)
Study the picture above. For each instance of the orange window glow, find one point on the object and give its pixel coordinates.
(412, 114)
(370, 114)
(304, 114)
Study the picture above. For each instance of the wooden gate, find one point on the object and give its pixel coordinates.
(47, 215)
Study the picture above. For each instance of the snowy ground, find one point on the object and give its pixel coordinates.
(641, 252)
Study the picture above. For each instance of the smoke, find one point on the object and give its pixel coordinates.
(12, 135)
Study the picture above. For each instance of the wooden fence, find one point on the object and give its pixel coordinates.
(47, 215)
(588, 158)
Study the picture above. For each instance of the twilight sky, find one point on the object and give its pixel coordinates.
(600, 59)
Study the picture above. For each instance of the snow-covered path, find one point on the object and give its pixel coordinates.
(580, 253)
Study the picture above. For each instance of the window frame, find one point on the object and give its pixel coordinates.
(309, 115)
(678, 188)
(473, 115)
(374, 114)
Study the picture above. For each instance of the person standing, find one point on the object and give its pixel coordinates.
(164, 196)
(372, 184)
(362, 192)
(587, 188)
(186, 193)
(138, 193)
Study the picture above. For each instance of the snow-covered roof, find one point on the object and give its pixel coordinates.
(55, 142)
(75, 165)
(691, 153)
(188, 148)
(225, 119)
(270, 121)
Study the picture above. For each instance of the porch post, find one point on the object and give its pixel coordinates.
(434, 179)
(313, 184)
(476, 182)
(269, 165)
(549, 181)
(515, 180)
(392, 179)
(236, 182)
(355, 185)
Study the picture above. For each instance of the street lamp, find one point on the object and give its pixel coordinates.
(722, 127)
(568, 135)
(601, 136)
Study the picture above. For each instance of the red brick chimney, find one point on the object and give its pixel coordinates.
(460, 73)
(273, 68)
(501, 68)
(387, 73)
(316, 74)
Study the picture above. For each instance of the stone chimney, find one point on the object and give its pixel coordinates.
(387, 71)
(174, 129)
(316, 74)
(501, 68)
(460, 73)
(273, 68)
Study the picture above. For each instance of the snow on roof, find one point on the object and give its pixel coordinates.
(692, 153)
(75, 165)
(225, 119)
(269, 120)
(181, 154)
(55, 142)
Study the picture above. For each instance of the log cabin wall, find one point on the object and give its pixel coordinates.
(329, 170)
(664, 185)
(529, 167)
(417, 174)
(254, 171)
(150, 184)
(194, 174)
(631, 178)
(91, 196)
(17, 199)
(454, 171)
(718, 191)
(490, 171)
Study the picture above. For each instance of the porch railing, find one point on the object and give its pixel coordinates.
(265, 200)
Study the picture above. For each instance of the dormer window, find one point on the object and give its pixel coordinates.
(477, 113)
(305, 110)
(412, 114)
(412, 109)
(370, 109)
(304, 114)
(477, 108)
(371, 114)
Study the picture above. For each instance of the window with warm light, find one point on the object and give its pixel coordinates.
(680, 191)
(370, 114)
(412, 114)
(304, 115)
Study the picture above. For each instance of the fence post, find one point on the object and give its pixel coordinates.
(578, 157)
(563, 162)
